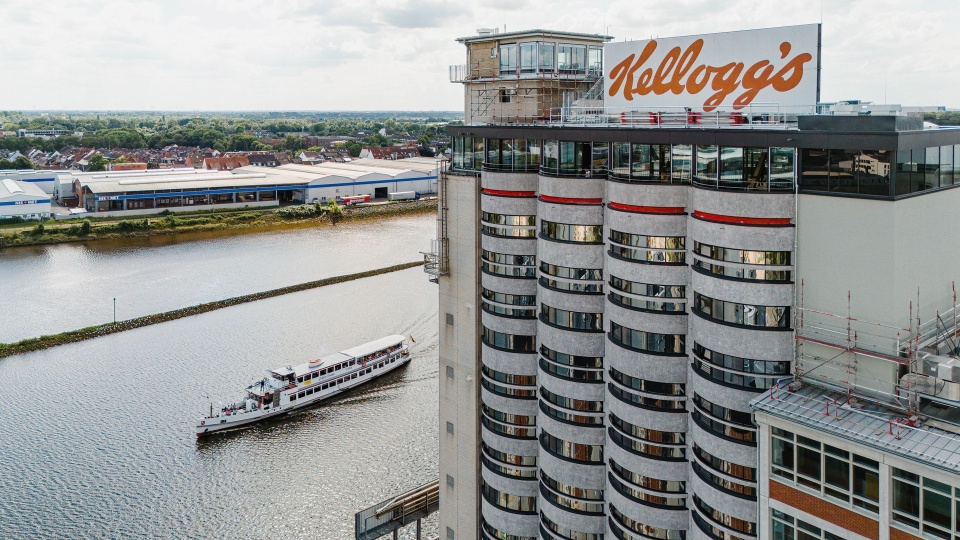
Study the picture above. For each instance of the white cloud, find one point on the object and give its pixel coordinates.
(393, 54)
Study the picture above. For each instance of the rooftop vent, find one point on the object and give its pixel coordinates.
(12, 186)
(488, 31)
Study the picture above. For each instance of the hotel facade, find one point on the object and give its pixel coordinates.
(676, 307)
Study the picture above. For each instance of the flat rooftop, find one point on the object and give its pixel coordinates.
(865, 422)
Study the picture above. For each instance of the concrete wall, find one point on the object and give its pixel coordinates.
(459, 350)
(886, 255)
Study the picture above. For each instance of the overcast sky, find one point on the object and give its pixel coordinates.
(393, 54)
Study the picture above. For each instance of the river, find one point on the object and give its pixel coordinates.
(97, 437)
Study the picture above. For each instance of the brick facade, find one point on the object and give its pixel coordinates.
(827, 511)
(897, 534)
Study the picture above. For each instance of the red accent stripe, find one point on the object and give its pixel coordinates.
(647, 209)
(569, 200)
(741, 220)
(505, 193)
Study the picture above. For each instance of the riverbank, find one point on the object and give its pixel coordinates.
(242, 220)
(91, 332)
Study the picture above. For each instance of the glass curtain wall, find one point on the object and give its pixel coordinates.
(578, 159)
(512, 155)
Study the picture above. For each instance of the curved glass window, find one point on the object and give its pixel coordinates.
(649, 387)
(551, 531)
(741, 314)
(526, 304)
(645, 289)
(508, 226)
(647, 342)
(565, 409)
(671, 493)
(492, 533)
(673, 390)
(510, 503)
(491, 378)
(580, 278)
(467, 152)
(508, 342)
(730, 522)
(620, 524)
(643, 248)
(736, 371)
(511, 425)
(742, 256)
(576, 159)
(706, 465)
(568, 366)
(568, 232)
(573, 320)
(727, 423)
(644, 163)
(750, 274)
(571, 403)
(664, 445)
(588, 501)
(583, 453)
(505, 464)
(521, 155)
(502, 264)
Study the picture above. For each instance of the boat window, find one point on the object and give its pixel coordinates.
(293, 397)
(301, 394)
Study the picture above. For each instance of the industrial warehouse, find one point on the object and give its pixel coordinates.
(23, 200)
(145, 192)
(680, 308)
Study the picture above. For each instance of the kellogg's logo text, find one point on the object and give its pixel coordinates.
(679, 73)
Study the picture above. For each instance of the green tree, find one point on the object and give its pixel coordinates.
(23, 163)
(97, 163)
(423, 140)
(354, 148)
(335, 211)
(293, 143)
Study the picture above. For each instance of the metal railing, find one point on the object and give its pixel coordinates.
(511, 167)
(388, 516)
(757, 116)
(767, 185)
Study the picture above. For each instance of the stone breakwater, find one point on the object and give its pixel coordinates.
(91, 332)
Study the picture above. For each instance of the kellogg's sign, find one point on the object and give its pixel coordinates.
(754, 70)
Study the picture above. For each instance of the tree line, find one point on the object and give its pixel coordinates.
(224, 133)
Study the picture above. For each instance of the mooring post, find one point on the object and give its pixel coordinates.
(418, 529)
(395, 532)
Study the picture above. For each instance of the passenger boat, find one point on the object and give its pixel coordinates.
(294, 387)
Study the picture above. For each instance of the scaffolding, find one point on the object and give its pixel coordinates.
(522, 97)
(855, 338)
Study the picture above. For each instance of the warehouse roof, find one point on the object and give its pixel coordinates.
(176, 182)
(12, 189)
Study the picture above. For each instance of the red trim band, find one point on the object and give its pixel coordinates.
(505, 193)
(647, 209)
(741, 220)
(569, 200)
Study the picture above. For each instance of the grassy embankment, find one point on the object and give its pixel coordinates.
(46, 342)
(308, 215)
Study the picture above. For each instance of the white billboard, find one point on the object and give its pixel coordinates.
(752, 70)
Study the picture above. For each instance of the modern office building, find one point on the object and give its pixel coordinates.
(623, 283)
